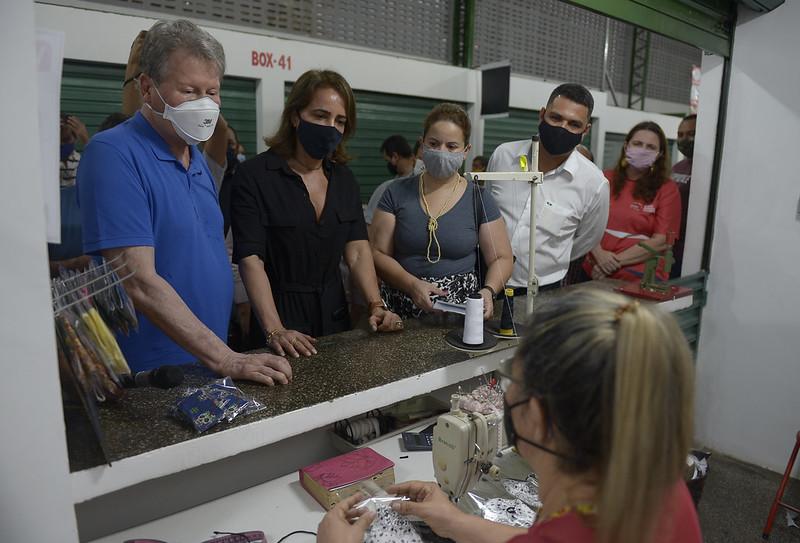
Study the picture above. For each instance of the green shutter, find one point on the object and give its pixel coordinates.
(239, 108)
(689, 318)
(93, 90)
(379, 116)
(520, 124)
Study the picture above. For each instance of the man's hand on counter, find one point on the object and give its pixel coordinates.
(268, 369)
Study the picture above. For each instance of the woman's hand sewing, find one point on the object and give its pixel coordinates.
(337, 527)
(429, 503)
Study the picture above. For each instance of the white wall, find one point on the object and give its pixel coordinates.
(36, 498)
(748, 369)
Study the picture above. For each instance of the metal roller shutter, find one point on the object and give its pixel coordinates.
(519, 125)
(92, 91)
(380, 116)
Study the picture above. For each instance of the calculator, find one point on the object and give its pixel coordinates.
(419, 441)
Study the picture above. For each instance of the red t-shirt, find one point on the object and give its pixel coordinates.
(631, 220)
(678, 524)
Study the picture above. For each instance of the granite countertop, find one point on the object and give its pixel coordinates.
(347, 363)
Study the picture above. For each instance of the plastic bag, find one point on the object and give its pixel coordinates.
(526, 491)
(213, 403)
(513, 511)
(389, 525)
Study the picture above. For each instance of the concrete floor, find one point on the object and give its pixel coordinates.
(736, 500)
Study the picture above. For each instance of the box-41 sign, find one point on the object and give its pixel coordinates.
(269, 60)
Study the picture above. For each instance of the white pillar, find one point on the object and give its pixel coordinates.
(36, 494)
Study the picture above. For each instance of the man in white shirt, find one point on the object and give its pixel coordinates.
(572, 202)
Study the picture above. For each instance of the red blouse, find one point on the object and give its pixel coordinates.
(631, 220)
(678, 524)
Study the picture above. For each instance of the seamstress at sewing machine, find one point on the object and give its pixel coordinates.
(598, 400)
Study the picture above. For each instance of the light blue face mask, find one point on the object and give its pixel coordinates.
(441, 164)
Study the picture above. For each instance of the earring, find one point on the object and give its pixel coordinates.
(624, 162)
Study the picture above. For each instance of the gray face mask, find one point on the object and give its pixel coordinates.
(441, 164)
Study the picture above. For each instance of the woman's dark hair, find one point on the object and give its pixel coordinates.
(284, 140)
(646, 186)
(615, 382)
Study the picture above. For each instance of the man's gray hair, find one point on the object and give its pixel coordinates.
(165, 37)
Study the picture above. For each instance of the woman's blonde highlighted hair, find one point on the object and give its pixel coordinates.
(616, 382)
(284, 141)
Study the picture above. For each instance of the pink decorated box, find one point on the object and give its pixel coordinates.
(337, 478)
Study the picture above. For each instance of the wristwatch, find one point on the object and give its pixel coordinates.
(490, 289)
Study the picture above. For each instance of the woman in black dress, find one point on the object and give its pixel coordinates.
(295, 211)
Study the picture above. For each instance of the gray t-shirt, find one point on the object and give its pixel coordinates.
(372, 205)
(457, 233)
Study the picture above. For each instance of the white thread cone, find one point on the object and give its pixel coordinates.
(473, 320)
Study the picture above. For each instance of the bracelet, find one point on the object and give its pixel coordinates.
(378, 304)
(273, 333)
(490, 289)
(134, 78)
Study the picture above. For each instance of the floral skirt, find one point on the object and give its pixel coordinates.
(457, 286)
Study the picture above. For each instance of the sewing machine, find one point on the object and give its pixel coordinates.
(464, 447)
(650, 287)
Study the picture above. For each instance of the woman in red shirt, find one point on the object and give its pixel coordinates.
(598, 400)
(645, 207)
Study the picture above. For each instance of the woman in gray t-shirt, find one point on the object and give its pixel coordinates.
(426, 228)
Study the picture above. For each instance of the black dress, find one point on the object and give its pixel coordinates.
(272, 216)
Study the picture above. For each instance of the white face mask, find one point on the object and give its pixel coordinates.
(194, 120)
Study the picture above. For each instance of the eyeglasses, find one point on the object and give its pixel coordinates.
(505, 373)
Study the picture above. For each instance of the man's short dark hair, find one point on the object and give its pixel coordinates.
(690, 117)
(112, 120)
(481, 159)
(575, 92)
(396, 144)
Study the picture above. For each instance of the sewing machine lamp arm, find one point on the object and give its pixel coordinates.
(533, 178)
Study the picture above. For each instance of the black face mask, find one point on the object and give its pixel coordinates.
(392, 168)
(686, 147)
(319, 141)
(557, 140)
(511, 433)
(230, 158)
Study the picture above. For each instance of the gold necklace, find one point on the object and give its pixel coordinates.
(433, 222)
(582, 509)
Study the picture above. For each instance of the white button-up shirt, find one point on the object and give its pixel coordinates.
(571, 211)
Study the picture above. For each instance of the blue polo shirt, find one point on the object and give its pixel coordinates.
(133, 192)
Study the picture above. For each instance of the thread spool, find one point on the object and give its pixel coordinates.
(507, 317)
(359, 431)
(473, 320)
